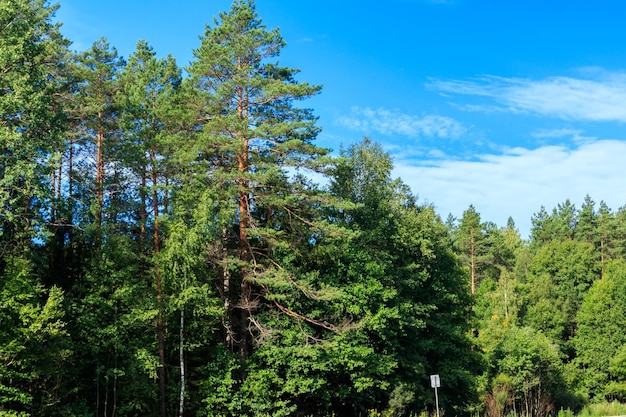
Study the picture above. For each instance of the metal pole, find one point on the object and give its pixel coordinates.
(436, 401)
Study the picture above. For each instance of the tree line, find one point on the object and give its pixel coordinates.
(164, 250)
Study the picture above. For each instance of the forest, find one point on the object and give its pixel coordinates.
(167, 249)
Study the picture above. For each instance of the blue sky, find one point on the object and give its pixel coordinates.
(504, 105)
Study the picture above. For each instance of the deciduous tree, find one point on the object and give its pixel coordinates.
(600, 335)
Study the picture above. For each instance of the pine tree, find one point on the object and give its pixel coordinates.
(248, 133)
(149, 86)
(33, 340)
(97, 113)
(471, 243)
(30, 121)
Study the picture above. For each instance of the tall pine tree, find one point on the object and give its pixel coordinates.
(249, 132)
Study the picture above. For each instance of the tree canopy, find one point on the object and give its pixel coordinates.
(174, 243)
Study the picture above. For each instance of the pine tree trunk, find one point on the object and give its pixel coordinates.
(99, 177)
(244, 223)
(244, 297)
(159, 286)
(143, 214)
(70, 186)
(226, 296)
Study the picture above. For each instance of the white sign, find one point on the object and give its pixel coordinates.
(435, 382)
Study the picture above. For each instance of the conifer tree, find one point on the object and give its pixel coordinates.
(30, 123)
(146, 97)
(249, 132)
(33, 341)
(471, 242)
(97, 112)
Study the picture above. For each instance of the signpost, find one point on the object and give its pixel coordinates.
(435, 383)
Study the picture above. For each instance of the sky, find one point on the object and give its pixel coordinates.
(505, 105)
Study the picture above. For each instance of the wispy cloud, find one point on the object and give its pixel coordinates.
(601, 96)
(519, 180)
(555, 133)
(572, 135)
(391, 122)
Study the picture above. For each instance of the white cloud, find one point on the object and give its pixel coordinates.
(555, 133)
(574, 135)
(602, 98)
(518, 182)
(391, 122)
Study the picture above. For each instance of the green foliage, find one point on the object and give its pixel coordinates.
(559, 225)
(559, 275)
(164, 251)
(603, 409)
(34, 345)
(96, 72)
(403, 282)
(30, 123)
(245, 132)
(530, 374)
(600, 335)
(149, 103)
(472, 243)
(499, 297)
(112, 313)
